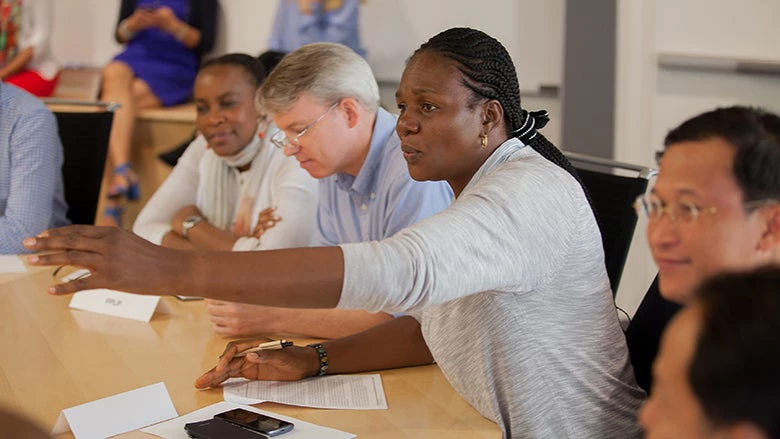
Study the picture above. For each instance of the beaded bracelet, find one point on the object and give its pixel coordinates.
(323, 357)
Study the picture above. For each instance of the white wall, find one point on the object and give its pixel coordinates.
(390, 29)
(83, 29)
(530, 30)
(747, 29)
(744, 28)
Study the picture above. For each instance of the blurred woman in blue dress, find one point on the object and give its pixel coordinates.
(164, 41)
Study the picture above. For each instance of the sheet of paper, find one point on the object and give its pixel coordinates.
(116, 303)
(117, 414)
(351, 392)
(11, 264)
(174, 429)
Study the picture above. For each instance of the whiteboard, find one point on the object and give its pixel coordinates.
(531, 30)
(719, 28)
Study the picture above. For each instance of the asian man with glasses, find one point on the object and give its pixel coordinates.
(714, 208)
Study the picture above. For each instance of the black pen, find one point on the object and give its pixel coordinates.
(276, 344)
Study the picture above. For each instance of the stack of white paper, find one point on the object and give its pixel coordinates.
(355, 392)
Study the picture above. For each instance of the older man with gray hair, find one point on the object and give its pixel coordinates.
(325, 100)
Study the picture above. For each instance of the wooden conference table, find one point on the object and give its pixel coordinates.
(53, 357)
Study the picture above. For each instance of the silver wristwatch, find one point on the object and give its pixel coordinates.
(188, 223)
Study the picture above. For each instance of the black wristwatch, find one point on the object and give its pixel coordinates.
(188, 223)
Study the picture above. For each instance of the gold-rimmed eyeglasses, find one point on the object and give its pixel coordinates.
(653, 209)
(281, 140)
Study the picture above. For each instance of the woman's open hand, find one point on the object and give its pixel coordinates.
(116, 259)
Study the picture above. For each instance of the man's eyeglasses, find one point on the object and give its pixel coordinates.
(653, 209)
(281, 140)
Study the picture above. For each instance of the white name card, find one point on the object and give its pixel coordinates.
(116, 303)
(112, 302)
(11, 264)
(117, 414)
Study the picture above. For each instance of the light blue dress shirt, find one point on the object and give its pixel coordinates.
(293, 29)
(381, 200)
(31, 190)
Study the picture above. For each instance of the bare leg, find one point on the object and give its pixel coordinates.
(143, 96)
(117, 87)
(120, 85)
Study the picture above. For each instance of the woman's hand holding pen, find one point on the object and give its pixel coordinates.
(289, 364)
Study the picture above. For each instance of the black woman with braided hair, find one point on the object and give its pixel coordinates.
(506, 289)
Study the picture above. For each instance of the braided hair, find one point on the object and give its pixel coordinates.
(488, 71)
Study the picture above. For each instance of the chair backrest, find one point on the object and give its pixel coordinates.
(84, 136)
(613, 196)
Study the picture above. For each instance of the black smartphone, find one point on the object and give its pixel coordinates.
(219, 429)
(255, 421)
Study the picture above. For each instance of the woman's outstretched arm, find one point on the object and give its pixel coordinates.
(117, 259)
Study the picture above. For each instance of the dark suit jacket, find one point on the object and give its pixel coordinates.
(644, 333)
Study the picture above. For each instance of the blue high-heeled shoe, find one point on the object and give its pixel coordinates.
(132, 191)
(115, 213)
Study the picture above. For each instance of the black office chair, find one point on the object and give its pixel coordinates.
(84, 136)
(613, 198)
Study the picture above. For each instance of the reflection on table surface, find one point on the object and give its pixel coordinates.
(54, 357)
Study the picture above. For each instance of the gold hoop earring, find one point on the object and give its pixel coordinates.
(484, 141)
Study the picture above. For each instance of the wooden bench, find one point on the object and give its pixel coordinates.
(80, 84)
